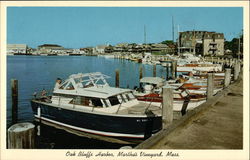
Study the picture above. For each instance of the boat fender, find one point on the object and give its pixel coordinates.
(39, 112)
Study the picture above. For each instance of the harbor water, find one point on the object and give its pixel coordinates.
(35, 73)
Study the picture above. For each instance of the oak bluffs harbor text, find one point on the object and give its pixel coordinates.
(89, 154)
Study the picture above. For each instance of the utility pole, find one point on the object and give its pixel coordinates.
(194, 40)
(173, 27)
(145, 34)
(178, 48)
(239, 47)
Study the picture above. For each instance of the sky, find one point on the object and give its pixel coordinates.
(75, 27)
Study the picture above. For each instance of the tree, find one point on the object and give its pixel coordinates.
(167, 42)
(233, 45)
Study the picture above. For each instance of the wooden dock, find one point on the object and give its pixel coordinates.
(216, 124)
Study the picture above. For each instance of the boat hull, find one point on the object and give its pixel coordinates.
(100, 124)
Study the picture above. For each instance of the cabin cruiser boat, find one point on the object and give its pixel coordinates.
(189, 63)
(150, 91)
(86, 102)
(198, 67)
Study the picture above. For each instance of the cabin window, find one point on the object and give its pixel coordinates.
(97, 102)
(63, 86)
(113, 100)
(80, 101)
(123, 98)
(127, 96)
(131, 96)
(108, 102)
(105, 102)
(120, 99)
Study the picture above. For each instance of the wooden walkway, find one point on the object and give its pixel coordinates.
(220, 126)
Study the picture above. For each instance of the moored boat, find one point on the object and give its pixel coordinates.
(86, 102)
(150, 91)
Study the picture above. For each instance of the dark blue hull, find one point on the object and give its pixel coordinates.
(100, 124)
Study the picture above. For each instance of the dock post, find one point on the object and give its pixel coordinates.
(223, 66)
(140, 74)
(154, 70)
(117, 78)
(21, 136)
(167, 107)
(167, 70)
(227, 77)
(174, 69)
(236, 70)
(14, 93)
(210, 85)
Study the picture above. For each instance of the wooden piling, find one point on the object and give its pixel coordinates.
(154, 70)
(210, 85)
(227, 77)
(167, 107)
(167, 70)
(174, 69)
(117, 78)
(140, 74)
(236, 70)
(21, 136)
(14, 93)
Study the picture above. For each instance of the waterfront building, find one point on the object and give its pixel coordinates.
(87, 50)
(121, 47)
(159, 47)
(109, 49)
(17, 49)
(201, 42)
(100, 49)
(50, 49)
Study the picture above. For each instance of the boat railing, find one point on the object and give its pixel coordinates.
(119, 107)
(43, 93)
(152, 98)
(44, 96)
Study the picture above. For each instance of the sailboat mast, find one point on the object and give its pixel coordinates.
(173, 28)
(178, 29)
(194, 40)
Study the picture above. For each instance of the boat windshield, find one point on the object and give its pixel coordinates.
(88, 80)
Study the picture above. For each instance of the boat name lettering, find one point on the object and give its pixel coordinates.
(141, 120)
